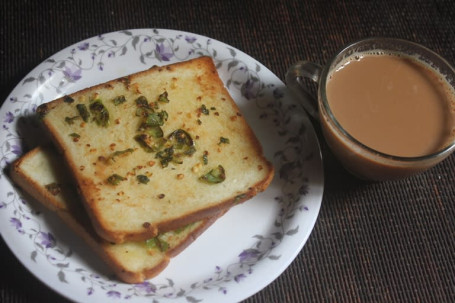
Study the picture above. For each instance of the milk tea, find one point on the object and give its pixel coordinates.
(392, 104)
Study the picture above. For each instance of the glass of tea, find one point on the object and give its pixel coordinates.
(386, 106)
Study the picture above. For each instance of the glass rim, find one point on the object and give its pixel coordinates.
(446, 150)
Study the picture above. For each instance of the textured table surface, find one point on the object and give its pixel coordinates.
(373, 242)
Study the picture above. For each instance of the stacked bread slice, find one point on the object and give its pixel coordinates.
(145, 163)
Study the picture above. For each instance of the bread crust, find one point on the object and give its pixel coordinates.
(77, 220)
(107, 213)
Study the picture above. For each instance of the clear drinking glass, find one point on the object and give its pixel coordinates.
(359, 159)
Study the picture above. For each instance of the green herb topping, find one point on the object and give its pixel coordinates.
(149, 143)
(182, 140)
(157, 243)
(165, 156)
(216, 175)
(83, 112)
(223, 141)
(68, 99)
(70, 120)
(119, 100)
(163, 98)
(115, 179)
(204, 109)
(142, 179)
(120, 153)
(142, 101)
(156, 119)
(205, 157)
(100, 113)
(178, 144)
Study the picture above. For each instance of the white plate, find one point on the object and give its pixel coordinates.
(243, 251)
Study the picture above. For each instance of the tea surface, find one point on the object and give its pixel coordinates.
(392, 104)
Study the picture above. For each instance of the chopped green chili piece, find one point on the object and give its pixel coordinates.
(181, 138)
(83, 112)
(68, 99)
(165, 156)
(164, 246)
(115, 179)
(155, 131)
(163, 98)
(205, 158)
(157, 243)
(119, 100)
(70, 120)
(182, 142)
(148, 143)
(143, 107)
(142, 101)
(101, 115)
(216, 175)
(204, 109)
(156, 119)
(142, 179)
(223, 140)
(151, 243)
(120, 152)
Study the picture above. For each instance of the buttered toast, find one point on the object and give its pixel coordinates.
(41, 174)
(156, 150)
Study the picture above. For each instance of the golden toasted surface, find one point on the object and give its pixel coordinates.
(157, 150)
(41, 174)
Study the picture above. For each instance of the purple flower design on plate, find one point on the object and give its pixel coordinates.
(147, 287)
(190, 39)
(238, 278)
(72, 76)
(9, 117)
(47, 239)
(16, 223)
(248, 89)
(113, 294)
(249, 255)
(223, 290)
(218, 269)
(163, 53)
(16, 149)
(83, 46)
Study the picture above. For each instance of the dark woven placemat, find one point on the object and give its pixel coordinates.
(373, 242)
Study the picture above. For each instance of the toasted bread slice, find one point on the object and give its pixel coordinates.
(41, 173)
(157, 150)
